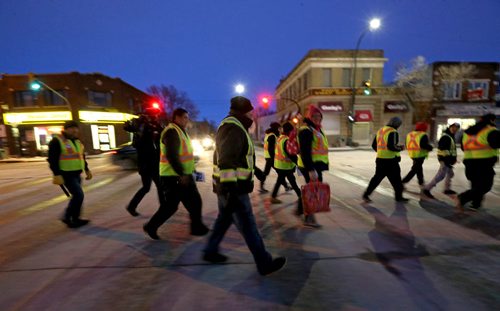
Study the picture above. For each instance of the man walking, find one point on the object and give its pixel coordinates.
(388, 158)
(480, 144)
(447, 157)
(417, 144)
(234, 160)
(176, 177)
(67, 161)
(272, 134)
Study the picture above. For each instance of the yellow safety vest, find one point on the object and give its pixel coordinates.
(266, 145)
(185, 153)
(71, 158)
(413, 145)
(382, 138)
(319, 148)
(281, 161)
(239, 173)
(453, 148)
(477, 147)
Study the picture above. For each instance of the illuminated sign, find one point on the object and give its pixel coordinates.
(395, 106)
(101, 116)
(36, 117)
(331, 106)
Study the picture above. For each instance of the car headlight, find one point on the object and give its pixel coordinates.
(197, 147)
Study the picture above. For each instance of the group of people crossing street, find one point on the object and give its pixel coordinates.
(170, 164)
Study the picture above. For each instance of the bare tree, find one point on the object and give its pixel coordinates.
(173, 98)
(415, 79)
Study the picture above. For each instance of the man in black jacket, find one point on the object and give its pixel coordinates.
(447, 156)
(386, 145)
(480, 144)
(234, 161)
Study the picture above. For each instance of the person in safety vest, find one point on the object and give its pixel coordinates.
(234, 161)
(176, 177)
(272, 134)
(285, 165)
(417, 144)
(67, 162)
(386, 145)
(480, 144)
(447, 157)
(313, 154)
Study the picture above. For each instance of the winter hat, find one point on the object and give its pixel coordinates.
(275, 126)
(241, 104)
(421, 126)
(287, 128)
(312, 109)
(395, 122)
(489, 118)
(70, 124)
(456, 124)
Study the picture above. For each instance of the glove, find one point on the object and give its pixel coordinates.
(88, 174)
(313, 175)
(58, 180)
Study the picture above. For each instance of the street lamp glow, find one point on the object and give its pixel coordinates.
(35, 86)
(375, 24)
(239, 88)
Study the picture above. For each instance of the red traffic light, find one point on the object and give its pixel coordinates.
(265, 102)
(155, 105)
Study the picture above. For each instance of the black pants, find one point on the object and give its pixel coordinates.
(267, 170)
(416, 169)
(387, 168)
(174, 193)
(282, 175)
(147, 178)
(481, 178)
(306, 174)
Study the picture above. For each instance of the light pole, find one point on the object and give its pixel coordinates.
(36, 85)
(373, 25)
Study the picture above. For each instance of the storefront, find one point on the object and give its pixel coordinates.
(362, 127)
(331, 123)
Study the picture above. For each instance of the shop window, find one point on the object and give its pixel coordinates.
(477, 89)
(452, 90)
(103, 99)
(24, 99)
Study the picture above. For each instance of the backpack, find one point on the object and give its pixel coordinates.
(292, 145)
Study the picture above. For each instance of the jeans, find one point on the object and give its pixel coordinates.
(73, 183)
(240, 212)
(444, 171)
(147, 178)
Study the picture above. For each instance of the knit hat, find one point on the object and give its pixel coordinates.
(287, 127)
(395, 122)
(275, 126)
(69, 124)
(241, 104)
(489, 118)
(456, 124)
(421, 126)
(312, 109)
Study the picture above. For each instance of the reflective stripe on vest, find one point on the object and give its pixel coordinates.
(413, 145)
(319, 147)
(382, 138)
(453, 148)
(477, 147)
(240, 173)
(185, 153)
(281, 161)
(266, 145)
(71, 158)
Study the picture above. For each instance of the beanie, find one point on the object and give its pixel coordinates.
(421, 126)
(69, 124)
(275, 126)
(241, 104)
(287, 128)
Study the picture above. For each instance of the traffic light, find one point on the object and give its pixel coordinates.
(33, 83)
(367, 87)
(155, 105)
(265, 102)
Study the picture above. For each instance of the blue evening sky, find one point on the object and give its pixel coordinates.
(205, 47)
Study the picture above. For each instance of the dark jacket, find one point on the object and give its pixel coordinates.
(424, 143)
(172, 142)
(306, 138)
(271, 141)
(392, 144)
(231, 146)
(445, 144)
(493, 141)
(148, 148)
(55, 153)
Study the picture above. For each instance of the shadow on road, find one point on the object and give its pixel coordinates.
(481, 221)
(396, 249)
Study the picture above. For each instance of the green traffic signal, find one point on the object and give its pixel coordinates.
(35, 86)
(367, 87)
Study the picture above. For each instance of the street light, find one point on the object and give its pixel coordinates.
(239, 88)
(36, 85)
(373, 25)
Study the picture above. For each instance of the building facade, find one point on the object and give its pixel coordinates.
(29, 118)
(336, 82)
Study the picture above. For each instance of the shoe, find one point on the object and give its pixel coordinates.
(275, 201)
(275, 265)
(152, 234)
(403, 200)
(199, 230)
(214, 257)
(449, 192)
(68, 222)
(288, 188)
(80, 223)
(262, 190)
(132, 211)
(310, 221)
(366, 198)
(428, 194)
